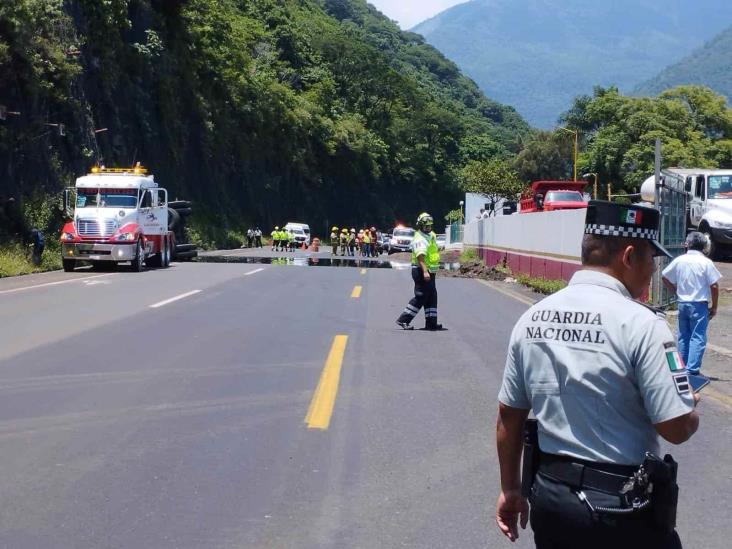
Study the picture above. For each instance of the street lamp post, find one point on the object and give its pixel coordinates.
(575, 133)
(595, 184)
(462, 216)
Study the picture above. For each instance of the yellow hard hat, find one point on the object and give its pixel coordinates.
(334, 229)
(277, 228)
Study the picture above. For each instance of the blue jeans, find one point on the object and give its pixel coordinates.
(693, 321)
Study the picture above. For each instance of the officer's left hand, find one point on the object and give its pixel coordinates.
(510, 507)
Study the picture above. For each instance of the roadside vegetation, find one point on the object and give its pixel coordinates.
(15, 260)
(471, 266)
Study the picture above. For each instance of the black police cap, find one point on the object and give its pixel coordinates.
(624, 220)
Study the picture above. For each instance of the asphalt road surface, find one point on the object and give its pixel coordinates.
(167, 409)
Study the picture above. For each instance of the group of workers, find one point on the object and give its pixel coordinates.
(352, 243)
(283, 240)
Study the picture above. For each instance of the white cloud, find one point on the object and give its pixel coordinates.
(410, 12)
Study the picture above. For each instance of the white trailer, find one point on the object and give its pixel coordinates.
(119, 215)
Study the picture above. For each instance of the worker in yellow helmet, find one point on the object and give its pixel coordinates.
(425, 263)
(334, 237)
(275, 238)
(344, 241)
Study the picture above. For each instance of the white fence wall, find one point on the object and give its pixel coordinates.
(550, 234)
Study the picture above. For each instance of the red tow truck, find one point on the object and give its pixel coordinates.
(546, 196)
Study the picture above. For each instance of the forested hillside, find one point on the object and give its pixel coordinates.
(537, 55)
(710, 66)
(259, 111)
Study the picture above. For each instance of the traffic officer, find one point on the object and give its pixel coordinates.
(425, 263)
(275, 238)
(601, 373)
(334, 236)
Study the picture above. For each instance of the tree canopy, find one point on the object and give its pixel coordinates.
(259, 111)
(618, 133)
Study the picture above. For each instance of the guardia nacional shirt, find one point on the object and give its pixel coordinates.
(598, 369)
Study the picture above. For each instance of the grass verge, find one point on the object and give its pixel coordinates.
(14, 261)
(541, 285)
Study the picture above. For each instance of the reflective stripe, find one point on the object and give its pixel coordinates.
(407, 312)
(412, 308)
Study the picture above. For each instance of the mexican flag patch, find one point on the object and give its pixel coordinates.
(675, 363)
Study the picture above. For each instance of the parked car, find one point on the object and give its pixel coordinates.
(301, 232)
(440, 241)
(299, 235)
(401, 240)
(382, 243)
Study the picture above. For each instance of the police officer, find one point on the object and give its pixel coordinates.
(425, 263)
(601, 373)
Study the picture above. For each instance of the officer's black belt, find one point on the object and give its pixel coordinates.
(578, 474)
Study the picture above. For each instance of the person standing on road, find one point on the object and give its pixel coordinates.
(334, 236)
(366, 243)
(250, 237)
(598, 370)
(343, 241)
(352, 242)
(425, 263)
(258, 237)
(275, 239)
(695, 281)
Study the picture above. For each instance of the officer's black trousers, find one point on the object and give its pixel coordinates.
(561, 521)
(425, 295)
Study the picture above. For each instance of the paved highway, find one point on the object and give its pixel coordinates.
(247, 406)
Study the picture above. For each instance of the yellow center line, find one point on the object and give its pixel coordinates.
(321, 407)
(356, 292)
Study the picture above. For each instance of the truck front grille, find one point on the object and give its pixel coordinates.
(94, 227)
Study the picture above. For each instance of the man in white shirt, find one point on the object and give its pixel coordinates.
(694, 279)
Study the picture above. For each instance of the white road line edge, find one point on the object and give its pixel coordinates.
(176, 298)
(53, 283)
(255, 271)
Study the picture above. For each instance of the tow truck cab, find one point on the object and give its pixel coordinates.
(546, 196)
(117, 215)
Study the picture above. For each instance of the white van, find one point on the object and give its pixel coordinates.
(301, 231)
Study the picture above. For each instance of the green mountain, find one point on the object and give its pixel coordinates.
(537, 55)
(260, 111)
(710, 65)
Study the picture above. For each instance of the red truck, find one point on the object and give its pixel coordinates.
(546, 196)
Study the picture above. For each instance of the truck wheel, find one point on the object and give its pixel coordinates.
(165, 254)
(138, 263)
(711, 249)
(69, 265)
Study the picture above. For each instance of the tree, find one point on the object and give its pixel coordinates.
(494, 179)
(548, 155)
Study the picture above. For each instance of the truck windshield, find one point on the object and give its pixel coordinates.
(720, 186)
(563, 196)
(404, 232)
(106, 198)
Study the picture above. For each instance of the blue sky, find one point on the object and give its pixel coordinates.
(410, 12)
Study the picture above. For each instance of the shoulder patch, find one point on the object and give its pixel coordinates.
(682, 383)
(674, 360)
